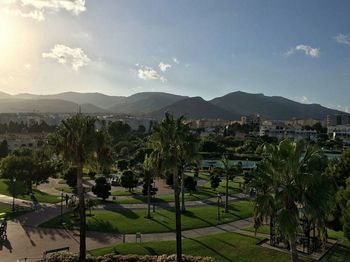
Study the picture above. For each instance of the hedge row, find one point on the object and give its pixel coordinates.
(68, 257)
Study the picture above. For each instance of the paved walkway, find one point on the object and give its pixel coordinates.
(25, 239)
(115, 206)
(31, 242)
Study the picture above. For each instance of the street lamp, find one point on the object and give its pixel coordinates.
(154, 196)
(219, 202)
(14, 194)
(61, 206)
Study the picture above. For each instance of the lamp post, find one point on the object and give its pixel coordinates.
(14, 194)
(219, 202)
(154, 196)
(61, 206)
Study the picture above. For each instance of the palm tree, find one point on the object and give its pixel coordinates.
(150, 167)
(229, 173)
(168, 143)
(77, 141)
(289, 181)
(189, 155)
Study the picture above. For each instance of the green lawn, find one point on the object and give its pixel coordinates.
(264, 229)
(126, 193)
(340, 253)
(6, 188)
(223, 247)
(65, 189)
(131, 221)
(233, 186)
(7, 209)
(200, 194)
(201, 175)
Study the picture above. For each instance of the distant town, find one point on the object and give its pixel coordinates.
(29, 130)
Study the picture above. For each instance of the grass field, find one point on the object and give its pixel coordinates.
(200, 194)
(6, 188)
(131, 221)
(233, 186)
(223, 247)
(340, 253)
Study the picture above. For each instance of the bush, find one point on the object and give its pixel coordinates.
(101, 188)
(128, 180)
(190, 184)
(67, 257)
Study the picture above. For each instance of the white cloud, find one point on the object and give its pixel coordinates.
(303, 99)
(64, 54)
(163, 79)
(342, 108)
(342, 39)
(308, 50)
(35, 14)
(7, 80)
(148, 73)
(36, 9)
(27, 67)
(176, 61)
(164, 67)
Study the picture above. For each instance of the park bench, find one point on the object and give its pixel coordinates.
(51, 251)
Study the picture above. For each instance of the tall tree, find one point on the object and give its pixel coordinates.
(28, 166)
(289, 180)
(229, 173)
(190, 154)
(4, 149)
(168, 144)
(101, 188)
(150, 168)
(77, 141)
(129, 180)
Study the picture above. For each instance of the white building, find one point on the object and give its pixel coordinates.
(288, 132)
(341, 132)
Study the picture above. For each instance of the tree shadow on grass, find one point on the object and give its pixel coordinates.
(151, 251)
(340, 252)
(102, 225)
(190, 214)
(163, 224)
(121, 210)
(212, 249)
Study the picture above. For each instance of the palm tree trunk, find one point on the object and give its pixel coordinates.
(149, 198)
(293, 250)
(226, 196)
(183, 207)
(177, 217)
(82, 218)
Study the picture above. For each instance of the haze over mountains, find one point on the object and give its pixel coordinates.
(155, 104)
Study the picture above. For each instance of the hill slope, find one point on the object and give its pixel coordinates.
(146, 102)
(97, 99)
(271, 107)
(195, 108)
(44, 106)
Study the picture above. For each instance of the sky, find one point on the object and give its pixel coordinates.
(297, 49)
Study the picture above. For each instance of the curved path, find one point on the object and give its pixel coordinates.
(30, 242)
(116, 206)
(26, 240)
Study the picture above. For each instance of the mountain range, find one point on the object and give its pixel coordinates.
(154, 104)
